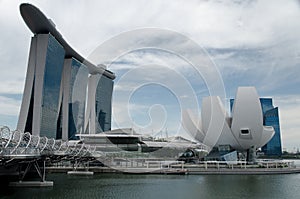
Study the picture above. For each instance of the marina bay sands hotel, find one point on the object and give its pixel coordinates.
(64, 94)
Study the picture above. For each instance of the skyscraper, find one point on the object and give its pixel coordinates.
(271, 118)
(57, 84)
(40, 104)
(75, 79)
(98, 112)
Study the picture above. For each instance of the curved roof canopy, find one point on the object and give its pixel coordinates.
(38, 23)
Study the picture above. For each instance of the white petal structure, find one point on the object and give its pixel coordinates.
(244, 130)
(194, 125)
(267, 134)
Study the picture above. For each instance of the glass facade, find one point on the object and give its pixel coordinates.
(231, 104)
(103, 104)
(77, 98)
(56, 106)
(29, 119)
(51, 88)
(266, 104)
(271, 118)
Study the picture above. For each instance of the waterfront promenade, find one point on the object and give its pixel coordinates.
(178, 167)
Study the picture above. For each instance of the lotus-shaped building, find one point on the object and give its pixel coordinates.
(242, 131)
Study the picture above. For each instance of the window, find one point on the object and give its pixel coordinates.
(245, 131)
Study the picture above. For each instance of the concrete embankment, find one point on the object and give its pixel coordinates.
(93, 169)
(194, 170)
(251, 171)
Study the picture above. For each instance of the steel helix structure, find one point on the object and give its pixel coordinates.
(17, 143)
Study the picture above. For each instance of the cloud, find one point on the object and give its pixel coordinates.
(14, 42)
(11, 86)
(272, 70)
(9, 106)
(146, 118)
(215, 24)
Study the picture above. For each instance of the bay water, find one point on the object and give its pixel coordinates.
(131, 186)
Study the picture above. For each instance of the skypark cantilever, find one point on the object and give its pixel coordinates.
(38, 23)
(64, 93)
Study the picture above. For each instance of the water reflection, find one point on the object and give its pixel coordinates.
(164, 186)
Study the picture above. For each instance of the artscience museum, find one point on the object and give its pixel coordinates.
(243, 131)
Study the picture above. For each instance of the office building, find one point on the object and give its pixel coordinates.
(271, 118)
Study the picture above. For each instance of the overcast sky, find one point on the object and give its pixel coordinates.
(248, 43)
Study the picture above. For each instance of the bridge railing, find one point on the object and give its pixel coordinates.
(19, 143)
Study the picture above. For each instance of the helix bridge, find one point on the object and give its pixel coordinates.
(24, 151)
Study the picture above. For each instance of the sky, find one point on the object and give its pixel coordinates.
(168, 55)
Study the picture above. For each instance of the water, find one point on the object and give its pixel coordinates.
(127, 186)
(163, 186)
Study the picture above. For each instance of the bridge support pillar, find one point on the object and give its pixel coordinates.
(41, 173)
